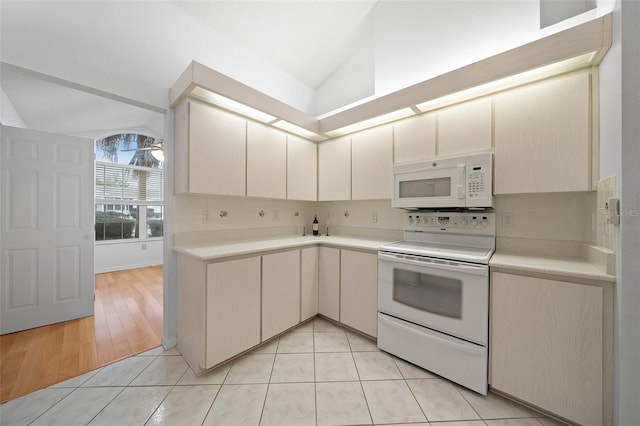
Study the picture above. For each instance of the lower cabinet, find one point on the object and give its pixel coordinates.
(280, 292)
(233, 308)
(228, 306)
(359, 291)
(218, 309)
(329, 282)
(551, 345)
(308, 282)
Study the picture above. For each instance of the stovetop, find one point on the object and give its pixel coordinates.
(441, 251)
(461, 236)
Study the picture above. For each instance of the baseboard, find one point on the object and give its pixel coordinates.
(125, 267)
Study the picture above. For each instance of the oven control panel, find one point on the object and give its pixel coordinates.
(482, 223)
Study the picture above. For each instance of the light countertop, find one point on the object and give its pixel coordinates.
(226, 249)
(554, 266)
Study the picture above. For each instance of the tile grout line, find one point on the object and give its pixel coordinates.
(366, 401)
(266, 394)
(411, 391)
(315, 376)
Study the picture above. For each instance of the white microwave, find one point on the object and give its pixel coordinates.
(454, 182)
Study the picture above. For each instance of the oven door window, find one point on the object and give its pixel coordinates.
(425, 188)
(426, 292)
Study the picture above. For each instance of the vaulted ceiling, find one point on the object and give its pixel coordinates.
(87, 67)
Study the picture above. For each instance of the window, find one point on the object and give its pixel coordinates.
(129, 189)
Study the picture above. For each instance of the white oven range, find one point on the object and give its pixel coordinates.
(433, 294)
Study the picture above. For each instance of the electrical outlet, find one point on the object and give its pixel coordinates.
(374, 217)
(507, 219)
(612, 211)
(206, 216)
(276, 215)
(144, 246)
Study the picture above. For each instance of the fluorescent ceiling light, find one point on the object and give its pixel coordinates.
(297, 130)
(546, 71)
(231, 105)
(371, 122)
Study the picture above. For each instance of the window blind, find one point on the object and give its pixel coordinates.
(120, 182)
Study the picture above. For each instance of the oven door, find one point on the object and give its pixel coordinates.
(429, 188)
(447, 296)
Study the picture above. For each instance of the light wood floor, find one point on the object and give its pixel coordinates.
(127, 321)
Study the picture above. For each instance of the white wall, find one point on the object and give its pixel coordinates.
(418, 40)
(117, 256)
(155, 39)
(627, 343)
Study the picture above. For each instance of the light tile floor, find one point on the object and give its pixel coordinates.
(317, 374)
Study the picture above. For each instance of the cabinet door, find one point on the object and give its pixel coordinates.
(280, 292)
(233, 308)
(372, 164)
(308, 282)
(546, 344)
(414, 139)
(334, 170)
(359, 291)
(217, 151)
(543, 137)
(302, 169)
(329, 282)
(465, 128)
(266, 161)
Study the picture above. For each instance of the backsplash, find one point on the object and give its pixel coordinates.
(553, 216)
(238, 218)
(550, 224)
(568, 219)
(363, 218)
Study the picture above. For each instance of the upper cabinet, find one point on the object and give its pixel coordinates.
(414, 138)
(372, 164)
(465, 128)
(266, 161)
(334, 170)
(302, 169)
(543, 136)
(210, 150)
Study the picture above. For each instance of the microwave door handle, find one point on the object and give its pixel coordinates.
(461, 185)
(452, 266)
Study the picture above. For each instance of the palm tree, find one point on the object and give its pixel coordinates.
(142, 157)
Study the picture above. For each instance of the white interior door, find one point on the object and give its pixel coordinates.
(47, 232)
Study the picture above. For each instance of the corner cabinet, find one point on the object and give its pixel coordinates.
(309, 282)
(302, 169)
(551, 345)
(543, 136)
(210, 150)
(329, 282)
(334, 170)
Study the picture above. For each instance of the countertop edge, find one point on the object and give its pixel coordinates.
(206, 252)
(552, 267)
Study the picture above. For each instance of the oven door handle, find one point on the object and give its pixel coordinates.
(447, 265)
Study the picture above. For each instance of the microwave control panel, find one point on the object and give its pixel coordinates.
(478, 182)
(454, 222)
